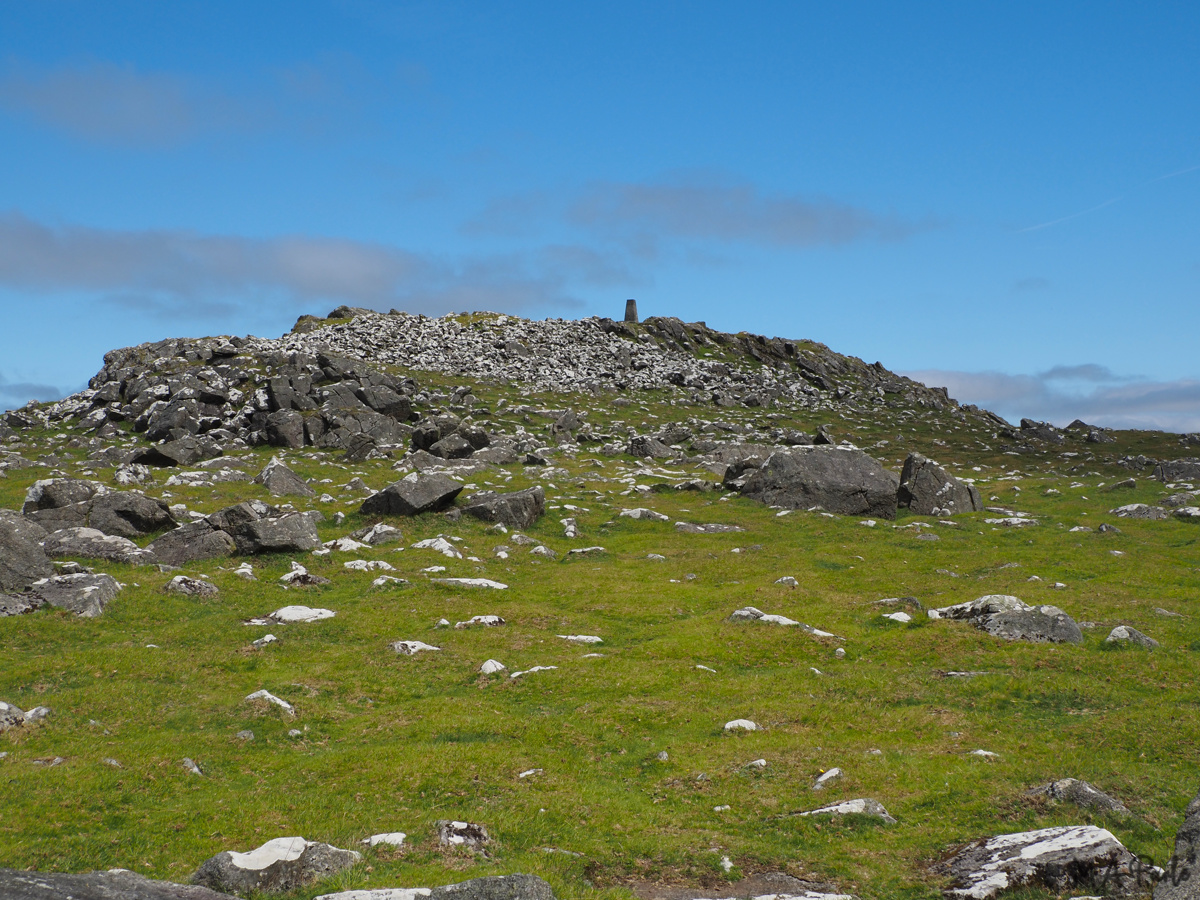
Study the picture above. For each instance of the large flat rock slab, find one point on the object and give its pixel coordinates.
(116, 884)
(1076, 858)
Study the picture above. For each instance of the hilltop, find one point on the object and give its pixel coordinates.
(630, 599)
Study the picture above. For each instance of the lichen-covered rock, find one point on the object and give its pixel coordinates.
(1009, 618)
(863, 806)
(279, 865)
(1123, 634)
(927, 489)
(1071, 858)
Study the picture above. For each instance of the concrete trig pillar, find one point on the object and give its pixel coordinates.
(631, 311)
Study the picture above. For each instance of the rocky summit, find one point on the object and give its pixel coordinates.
(507, 609)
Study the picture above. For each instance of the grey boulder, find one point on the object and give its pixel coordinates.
(279, 865)
(22, 559)
(452, 446)
(1007, 617)
(190, 543)
(183, 452)
(94, 544)
(1177, 470)
(281, 481)
(292, 533)
(129, 514)
(1181, 881)
(84, 594)
(115, 884)
(1073, 858)
(643, 446)
(1082, 794)
(493, 887)
(837, 479)
(412, 495)
(927, 489)
(519, 509)
(55, 493)
(1123, 634)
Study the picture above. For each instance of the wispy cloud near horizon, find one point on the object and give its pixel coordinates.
(1090, 392)
(697, 207)
(191, 274)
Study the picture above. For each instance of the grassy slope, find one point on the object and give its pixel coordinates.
(395, 743)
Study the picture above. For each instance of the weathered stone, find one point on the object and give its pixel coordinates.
(239, 514)
(1123, 634)
(191, 587)
(183, 452)
(462, 834)
(492, 887)
(413, 495)
(93, 544)
(1082, 794)
(1075, 858)
(643, 446)
(54, 493)
(22, 559)
(453, 446)
(864, 806)
(281, 481)
(115, 884)
(837, 479)
(519, 509)
(1177, 470)
(129, 514)
(1009, 618)
(928, 490)
(279, 865)
(1181, 880)
(292, 533)
(84, 594)
(190, 543)
(285, 428)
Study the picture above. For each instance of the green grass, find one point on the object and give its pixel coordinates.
(395, 743)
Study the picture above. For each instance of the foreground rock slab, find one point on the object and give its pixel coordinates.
(115, 884)
(837, 479)
(282, 864)
(496, 887)
(1069, 858)
(22, 559)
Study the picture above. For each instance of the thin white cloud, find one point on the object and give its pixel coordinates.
(185, 273)
(1089, 392)
(110, 103)
(707, 207)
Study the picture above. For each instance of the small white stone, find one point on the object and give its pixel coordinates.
(390, 838)
(491, 667)
(740, 725)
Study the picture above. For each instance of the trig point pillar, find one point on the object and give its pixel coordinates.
(631, 311)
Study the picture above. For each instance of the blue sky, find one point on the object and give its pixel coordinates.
(1001, 198)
